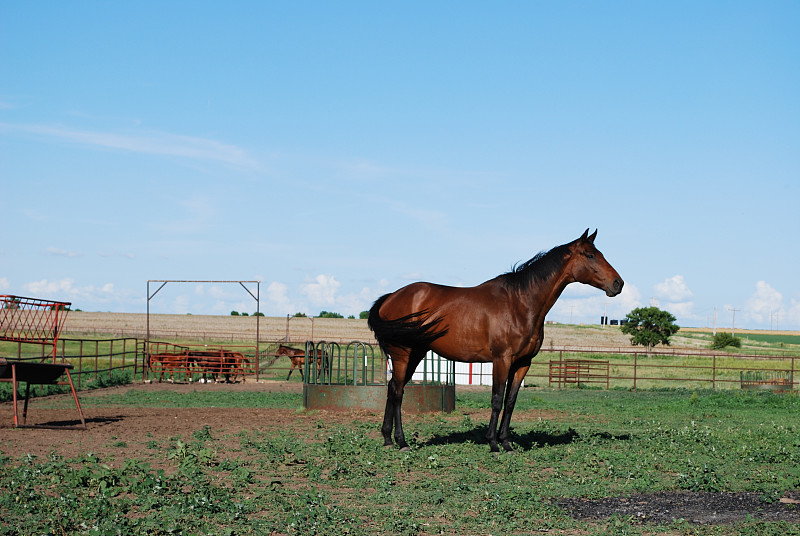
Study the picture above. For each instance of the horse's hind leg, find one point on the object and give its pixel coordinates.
(404, 363)
(388, 415)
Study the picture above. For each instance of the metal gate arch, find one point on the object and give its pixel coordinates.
(357, 378)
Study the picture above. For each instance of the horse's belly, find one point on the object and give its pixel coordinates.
(462, 353)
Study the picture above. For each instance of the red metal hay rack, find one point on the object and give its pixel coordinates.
(34, 321)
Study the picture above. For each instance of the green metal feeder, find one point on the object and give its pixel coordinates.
(356, 377)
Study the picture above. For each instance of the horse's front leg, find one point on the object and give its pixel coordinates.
(512, 390)
(499, 378)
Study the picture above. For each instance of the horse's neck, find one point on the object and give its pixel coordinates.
(542, 296)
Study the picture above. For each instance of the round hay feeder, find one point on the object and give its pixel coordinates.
(356, 377)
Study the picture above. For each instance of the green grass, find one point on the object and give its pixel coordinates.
(325, 476)
(142, 398)
(779, 340)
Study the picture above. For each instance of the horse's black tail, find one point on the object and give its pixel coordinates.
(413, 330)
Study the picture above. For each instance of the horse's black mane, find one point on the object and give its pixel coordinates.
(543, 265)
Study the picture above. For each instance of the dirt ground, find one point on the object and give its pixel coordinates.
(108, 427)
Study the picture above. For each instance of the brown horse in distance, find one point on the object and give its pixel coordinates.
(172, 362)
(297, 356)
(500, 321)
(214, 362)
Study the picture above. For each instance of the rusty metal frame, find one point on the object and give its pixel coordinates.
(256, 297)
(34, 321)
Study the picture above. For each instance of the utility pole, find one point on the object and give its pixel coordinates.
(571, 307)
(715, 321)
(733, 324)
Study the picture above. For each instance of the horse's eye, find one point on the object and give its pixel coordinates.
(590, 256)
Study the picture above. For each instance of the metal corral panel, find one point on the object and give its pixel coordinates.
(473, 373)
(416, 398)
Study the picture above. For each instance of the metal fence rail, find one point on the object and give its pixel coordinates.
(637, 369)
(627, 368)
(579, 372)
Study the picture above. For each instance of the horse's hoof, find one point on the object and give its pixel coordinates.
(405, 449)
(508, 448)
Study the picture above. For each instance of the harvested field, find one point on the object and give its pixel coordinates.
(300, 329)
(296, 329)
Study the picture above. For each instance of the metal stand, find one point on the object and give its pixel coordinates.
(37, 374)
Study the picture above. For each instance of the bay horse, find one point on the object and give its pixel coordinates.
(214, 362)
(297, 357)
(235, 362)
(500, 321)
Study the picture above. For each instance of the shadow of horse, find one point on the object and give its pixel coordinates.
(525, 442)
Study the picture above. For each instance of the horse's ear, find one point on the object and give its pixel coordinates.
(593, 235)
(584, 235)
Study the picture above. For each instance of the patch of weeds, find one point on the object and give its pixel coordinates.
(699, 477)
(203, 434)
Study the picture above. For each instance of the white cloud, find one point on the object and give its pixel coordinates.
(62, 252)
(682, 310)
(322, 291)
(764, 302)
(180, 305)
(630, 298)
(4, 284)
(218, 292)
(353, 304)
(66, 289)
(791, 317)
(277, 300)
(673, 289)
(159, 143)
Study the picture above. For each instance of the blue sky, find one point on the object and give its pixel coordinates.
(336, 151)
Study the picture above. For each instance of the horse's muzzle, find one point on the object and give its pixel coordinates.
(615, 287)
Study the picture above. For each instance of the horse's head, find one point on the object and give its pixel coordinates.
(588, 266)
(282, 350)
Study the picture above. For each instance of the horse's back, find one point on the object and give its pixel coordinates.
(439, 299)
